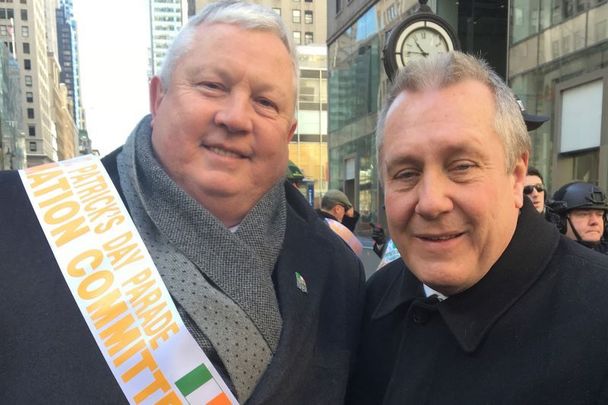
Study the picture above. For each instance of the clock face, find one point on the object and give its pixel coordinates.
(422, 42)
(419, 39)
(418, 36)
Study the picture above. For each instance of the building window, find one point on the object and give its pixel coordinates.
(3, 31)
(308, 1)
(308, 38)
(26, 48)
(277, 10)
(31, 129)
(7, 13)
(27, 64)
(23, 15)
(30, 113)
(23, 2)
(296, 16)
(297, 37)
(29, 97)
(28, 80)
(25, 31)
(308, 17)
(33, 147)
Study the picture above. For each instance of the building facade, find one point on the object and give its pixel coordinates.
(166, 19)
(41, 37)
(551, 52)
(308, 148)
(558, 65)
(67, 54)
(23, 25)
(12, 133)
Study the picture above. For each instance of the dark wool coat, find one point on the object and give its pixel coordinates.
(48, 355)
(534, 330)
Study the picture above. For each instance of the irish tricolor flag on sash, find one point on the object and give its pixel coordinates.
(199, 387)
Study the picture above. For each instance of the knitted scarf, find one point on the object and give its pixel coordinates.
(220, 280)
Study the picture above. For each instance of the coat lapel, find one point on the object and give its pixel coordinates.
(301, 254)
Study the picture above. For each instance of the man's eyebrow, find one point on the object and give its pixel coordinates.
(402, 160)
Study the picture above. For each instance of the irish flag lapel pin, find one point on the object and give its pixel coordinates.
(301, 283)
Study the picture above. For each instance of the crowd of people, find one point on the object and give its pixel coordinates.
(184, 268)
(578, 209)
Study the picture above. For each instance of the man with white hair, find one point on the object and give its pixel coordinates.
(269, 296)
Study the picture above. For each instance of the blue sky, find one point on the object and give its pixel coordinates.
(113, 42)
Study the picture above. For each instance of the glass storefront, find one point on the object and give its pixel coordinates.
(354, 94)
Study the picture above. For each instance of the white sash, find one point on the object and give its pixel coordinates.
(118, 288)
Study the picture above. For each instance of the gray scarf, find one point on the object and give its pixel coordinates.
(221, 281)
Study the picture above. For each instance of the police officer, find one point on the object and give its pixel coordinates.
(581, 213)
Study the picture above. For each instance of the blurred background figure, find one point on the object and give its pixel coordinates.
(379, 238)
(534, 188)
(336, 205)
(532, 121)
(581, 209)
(339, 213)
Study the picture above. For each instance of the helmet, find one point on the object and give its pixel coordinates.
(579, 195)
(576, 195)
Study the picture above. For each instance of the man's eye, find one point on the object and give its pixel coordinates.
(266, 103)
(406, 175)
(211, 85)
(463, 166)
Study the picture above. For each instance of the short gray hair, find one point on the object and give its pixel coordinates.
(248, 16)
(443, 70)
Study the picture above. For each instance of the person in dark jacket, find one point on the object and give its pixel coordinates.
(489, 302)
(338, 212)
(264, 288)
(580, 210)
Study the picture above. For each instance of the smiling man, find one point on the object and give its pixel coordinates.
(482, 306)
(264, 288)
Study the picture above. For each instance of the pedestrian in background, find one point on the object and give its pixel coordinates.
(534, 188)
(338, 212)
(581, 214)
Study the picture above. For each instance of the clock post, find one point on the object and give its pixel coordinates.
(419, 35)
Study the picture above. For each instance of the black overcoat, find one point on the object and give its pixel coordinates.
(534, 330)
(48, 355)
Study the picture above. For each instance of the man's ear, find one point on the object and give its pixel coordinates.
(519, 179)
(157, 93)
(292, 130)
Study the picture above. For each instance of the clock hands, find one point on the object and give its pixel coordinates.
(419, 47)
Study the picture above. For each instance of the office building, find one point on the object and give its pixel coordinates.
(166, 19)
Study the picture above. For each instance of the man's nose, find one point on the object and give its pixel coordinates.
(433, 198)
(235, 113)
(596, 217)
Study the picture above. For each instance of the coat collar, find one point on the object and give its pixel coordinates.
(519, 267)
